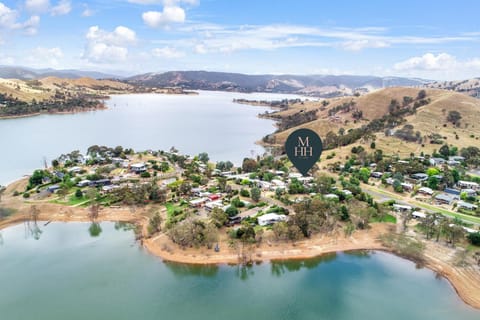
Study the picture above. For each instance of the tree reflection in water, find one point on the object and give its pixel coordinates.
(95, 229)
(279, 267)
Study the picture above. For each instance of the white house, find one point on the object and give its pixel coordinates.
(426, 191)
(401, 208)
(469, 192)
(138, 167)
(271, 218)
(466, 205)
(213, 204)
(468, 185)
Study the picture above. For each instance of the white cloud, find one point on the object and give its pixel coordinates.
(63, 7)
(169, 15)
(8, 17)
(30, 26)
(429, 61)
(44, 57)
(37, 6)
(87, 12)
(168, 53)
(106, 47)
(357, 45)
(8, 20)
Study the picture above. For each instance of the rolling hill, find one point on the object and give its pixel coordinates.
(427, 125)
(46, 88)
(315, 85)
(23, 73)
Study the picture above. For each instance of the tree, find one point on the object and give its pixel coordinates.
(218, 217)
(432, 183)
(421, 94)
(78, 194)
(62, 192)
(474, 238)
(364, 174)
(244, 193)
(323, 183)
(454, 116)
(203, 157)
(36, 178)
(55, 163)
(231, 211)
(2, 191)
(344, 213)
(444, 151)
(372, 145)
(255, 194)
(249, 165)
(432, 171)
(154, 222)
(280, 230)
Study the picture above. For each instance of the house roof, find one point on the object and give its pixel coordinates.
(444, 197)
(466, 205)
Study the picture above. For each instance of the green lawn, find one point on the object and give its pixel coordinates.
(387, 218)
(171, 208)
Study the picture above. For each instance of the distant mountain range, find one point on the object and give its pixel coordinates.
(323, 85)
(315, 85)
(23, 73)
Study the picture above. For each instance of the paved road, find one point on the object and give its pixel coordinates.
(383, 195)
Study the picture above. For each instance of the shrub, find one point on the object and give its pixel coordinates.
(145, 174)
(474, 238)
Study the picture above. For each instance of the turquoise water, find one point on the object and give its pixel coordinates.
(68, 274)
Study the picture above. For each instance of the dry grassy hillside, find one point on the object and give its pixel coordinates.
(45, 88)
(428, 119)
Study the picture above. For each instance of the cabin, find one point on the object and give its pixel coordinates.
(213, 197)
(419, 176)
(197, 203)
(74, 170)
(468, 185)
(443, 198)
(425, 191)
(401, 208)
(271, 218)
(419, 215)
(138, 167)
(466, 206)
(437, 161)
(469, 192)
(83, 183)
(53, 188)
(209, 206)
(457, 158)
(101, 182)
(453, 163)
(453, 192)
(331, 196)
(376, 174)
(407, 186)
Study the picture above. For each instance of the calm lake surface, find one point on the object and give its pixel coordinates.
(67, 274)
(208, 122)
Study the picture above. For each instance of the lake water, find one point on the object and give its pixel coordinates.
(67, 274)
(208, 122)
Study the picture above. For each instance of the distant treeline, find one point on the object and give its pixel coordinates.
(14, 107)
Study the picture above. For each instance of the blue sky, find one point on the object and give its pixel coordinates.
(429, 39)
